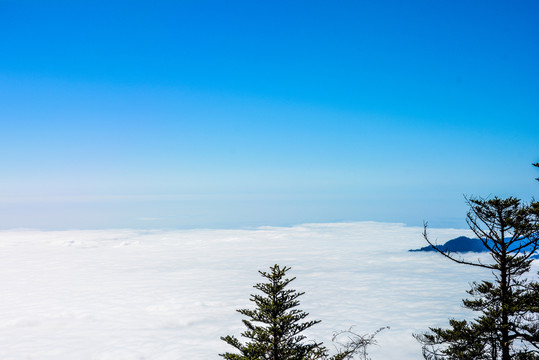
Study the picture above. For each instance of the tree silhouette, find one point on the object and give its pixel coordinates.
(508, 325)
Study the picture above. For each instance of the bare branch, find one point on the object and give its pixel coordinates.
(356, 344)
(448, 253)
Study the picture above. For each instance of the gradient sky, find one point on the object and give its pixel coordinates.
(243, 113)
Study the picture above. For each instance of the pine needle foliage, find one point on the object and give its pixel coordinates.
(275, 326)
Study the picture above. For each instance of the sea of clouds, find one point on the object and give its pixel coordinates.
(132, 294)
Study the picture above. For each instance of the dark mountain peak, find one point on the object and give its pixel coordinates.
(460, 244)
(465, 244)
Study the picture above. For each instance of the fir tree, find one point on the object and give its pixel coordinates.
(274, 328)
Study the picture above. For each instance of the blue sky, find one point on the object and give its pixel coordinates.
(220, 114)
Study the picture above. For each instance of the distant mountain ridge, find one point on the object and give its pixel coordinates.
(464, 244)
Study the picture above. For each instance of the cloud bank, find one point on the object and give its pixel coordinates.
(130, 294)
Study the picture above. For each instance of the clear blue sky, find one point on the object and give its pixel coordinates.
(243, 113)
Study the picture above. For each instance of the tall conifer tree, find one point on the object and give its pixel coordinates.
(508, 324)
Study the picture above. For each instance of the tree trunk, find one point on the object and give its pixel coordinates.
(504, 287)
(505, 315)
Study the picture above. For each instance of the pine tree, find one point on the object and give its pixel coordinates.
(274, 328)
(508, 325)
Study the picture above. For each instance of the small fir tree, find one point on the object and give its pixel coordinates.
(274, 327)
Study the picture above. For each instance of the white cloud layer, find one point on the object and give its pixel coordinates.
(130, 294)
